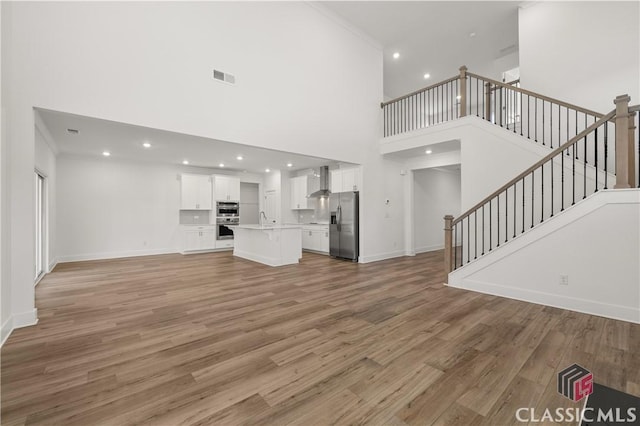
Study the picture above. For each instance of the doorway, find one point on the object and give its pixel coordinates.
(40, 191)
(249, 203)
(436, 193)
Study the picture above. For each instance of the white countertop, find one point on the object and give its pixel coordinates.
(266, 227)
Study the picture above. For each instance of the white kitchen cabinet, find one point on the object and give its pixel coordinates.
(195, 192)
(301, 187)
(196, 238)
(350, 179)
(226, 188)
(307, 239)
(316, 238)
(224, 244)
(345, 180)
(336, 180)
(323, 240)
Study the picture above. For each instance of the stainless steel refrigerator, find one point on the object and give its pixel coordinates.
(343, 229)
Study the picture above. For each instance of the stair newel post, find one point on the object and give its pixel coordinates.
(487, 101)
(448, 246)
(624, 150)
(463, 91)
(632, 154)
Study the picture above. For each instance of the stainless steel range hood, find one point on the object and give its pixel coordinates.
(324, 184)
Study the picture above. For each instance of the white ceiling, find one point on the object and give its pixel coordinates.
(420, 151)
(125, 141)
(433, 37)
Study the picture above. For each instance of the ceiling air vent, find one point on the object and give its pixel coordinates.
(73, 131)
(224, 77)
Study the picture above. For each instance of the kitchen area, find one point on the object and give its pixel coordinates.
(273, 221)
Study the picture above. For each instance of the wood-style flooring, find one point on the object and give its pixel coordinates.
(212, 339)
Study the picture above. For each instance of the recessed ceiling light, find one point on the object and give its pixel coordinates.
(73, 131)
(428, 151)
(221, 165)
(458, 97)
(146, 145)
(472, 35)
(185, 162)
(267, 170)
(396, 55)
(426, 76)
(239, 157)
(106, 153)
(289, 165)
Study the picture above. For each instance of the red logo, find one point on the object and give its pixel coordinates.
(575, 382)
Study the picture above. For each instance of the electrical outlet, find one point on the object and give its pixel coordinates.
(564, 279)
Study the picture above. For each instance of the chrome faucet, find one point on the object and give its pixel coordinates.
(262, 214)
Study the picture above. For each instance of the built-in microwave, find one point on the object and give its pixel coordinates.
(227, 209)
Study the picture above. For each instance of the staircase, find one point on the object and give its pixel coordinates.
(588, 152)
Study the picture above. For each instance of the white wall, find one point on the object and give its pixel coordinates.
(5, 284)
(436, 194)
(585, 53)
(115, 208)
(596, 243)
(305, 84)
(110, 208)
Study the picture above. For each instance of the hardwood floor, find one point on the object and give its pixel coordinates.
(212, 339)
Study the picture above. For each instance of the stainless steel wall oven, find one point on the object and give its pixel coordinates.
(223, 232)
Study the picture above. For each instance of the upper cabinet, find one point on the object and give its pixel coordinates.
(301, 187)
(195, 192)
(345, 180)
(226, 188)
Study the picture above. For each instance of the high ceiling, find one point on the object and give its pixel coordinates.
(125, 141)
(434, 37)
(431, 37)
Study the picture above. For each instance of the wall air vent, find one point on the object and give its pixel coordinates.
(224, 77)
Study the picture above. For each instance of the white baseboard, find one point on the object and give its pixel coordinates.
(213, 250)
(25, 319)
(326, 253)
(7, 328)
(382, 256)
(53, 264)
(425, 249)
(592, 307)
(113, 255)
(22, 319)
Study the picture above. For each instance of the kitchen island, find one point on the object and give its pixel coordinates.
(273, 245)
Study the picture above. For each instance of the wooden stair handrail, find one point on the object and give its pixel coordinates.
(507, 85)
(537, 95)
(424, 89)
(528, 171)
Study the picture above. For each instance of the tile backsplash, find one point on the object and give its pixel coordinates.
(319, 215)
(194, 217)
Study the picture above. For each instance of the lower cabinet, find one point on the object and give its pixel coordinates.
(224, 244)
(199, 238)
(315, 239)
